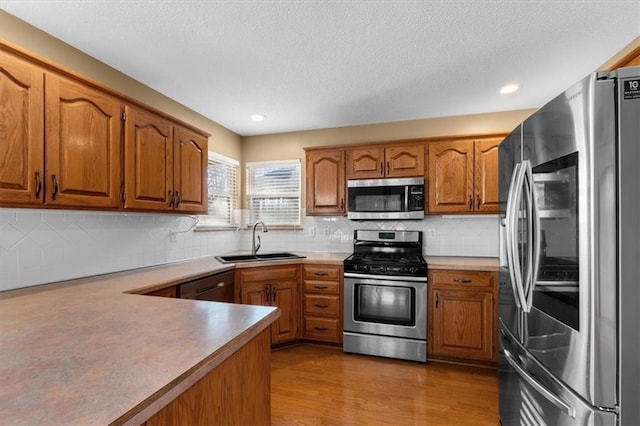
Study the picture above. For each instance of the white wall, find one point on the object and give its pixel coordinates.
(43, 246)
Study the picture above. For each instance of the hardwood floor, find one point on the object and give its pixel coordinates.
(318, 385)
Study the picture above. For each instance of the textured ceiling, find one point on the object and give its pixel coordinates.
(318, 64)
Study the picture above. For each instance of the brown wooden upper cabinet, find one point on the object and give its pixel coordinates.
(165, 164)
(325, 182)
(463, 176)
(385, 161)
(82, 133)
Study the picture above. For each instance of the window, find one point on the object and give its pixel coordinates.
(222, 186)
(273, 192)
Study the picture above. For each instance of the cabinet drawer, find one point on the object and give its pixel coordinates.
(326, 329)
(322, 272)
(328, 306)
(269, 273)
(460, 279)
(324, 287)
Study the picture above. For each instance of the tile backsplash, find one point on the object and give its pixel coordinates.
(42, 246)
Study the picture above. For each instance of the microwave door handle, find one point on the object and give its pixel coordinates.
(406, 198)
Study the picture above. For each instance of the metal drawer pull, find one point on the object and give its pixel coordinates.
(317, 305)
(555, 400)
(202, 290)
(459, 280)
(321, 328)
(321, 287)
(321, 274)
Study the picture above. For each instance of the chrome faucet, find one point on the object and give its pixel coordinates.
(255, 247)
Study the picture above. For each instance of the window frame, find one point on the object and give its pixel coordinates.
(205, 222)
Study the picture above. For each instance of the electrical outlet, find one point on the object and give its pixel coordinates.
(312, 232)
(325, 232)
(431, 233)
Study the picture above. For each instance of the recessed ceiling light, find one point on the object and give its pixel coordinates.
(509, 88)
(258, 117)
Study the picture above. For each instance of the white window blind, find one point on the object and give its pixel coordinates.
(222, 186)
(273, 192)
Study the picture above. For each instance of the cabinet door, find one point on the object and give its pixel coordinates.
(148, 161)
(325, 182)
(255, 294)
(463, 323)
(486, 175)
(365, 163)
(284, 295)
(451, 177)
(22, 132)
(190, 171)
(83, 134)
(405, 161)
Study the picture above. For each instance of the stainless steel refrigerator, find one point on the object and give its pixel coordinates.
(569, 322)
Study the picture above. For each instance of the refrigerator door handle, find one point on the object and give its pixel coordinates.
(513, 202)
(555, 400)
(508, 233)
(536, 235)
(532, 239)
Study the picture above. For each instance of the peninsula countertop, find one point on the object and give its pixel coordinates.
(87, 351)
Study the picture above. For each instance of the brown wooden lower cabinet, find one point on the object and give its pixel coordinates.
(237, 392)
(273, 286)
(164, 292)
(322, 304)
(462, 315)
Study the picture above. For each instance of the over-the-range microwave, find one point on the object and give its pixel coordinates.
(382, 199)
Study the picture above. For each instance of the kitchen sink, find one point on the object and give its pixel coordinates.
(235, 258)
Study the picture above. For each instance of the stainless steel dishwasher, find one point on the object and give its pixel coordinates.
(215, 287)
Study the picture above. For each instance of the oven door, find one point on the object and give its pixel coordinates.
(387, 306)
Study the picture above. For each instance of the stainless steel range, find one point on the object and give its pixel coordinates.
(385, 295)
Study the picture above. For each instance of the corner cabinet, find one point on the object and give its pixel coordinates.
(463, 176)
(462, 315)
(273, 286)
(325, 182)
(62, 145)
(385, 161)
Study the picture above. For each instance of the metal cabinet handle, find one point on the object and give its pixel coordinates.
(388, 167)
(38, 185)
(437, 300)
(275, 293)
(470, 202)
(321, 328)
(321, 274)
(170, 198)
(203, 290)
(321, 287)
(54, 194)
(381, 168)
(268, 294)
(477, 202)
(178, 199)
(459, 280)
(341, 203)
(318, 305)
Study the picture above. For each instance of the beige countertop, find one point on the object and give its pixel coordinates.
(463, 263)
(86, 352)
(96, 351)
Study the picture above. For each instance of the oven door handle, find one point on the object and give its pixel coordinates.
(385, 277)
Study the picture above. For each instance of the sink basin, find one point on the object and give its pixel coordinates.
(235, 258)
